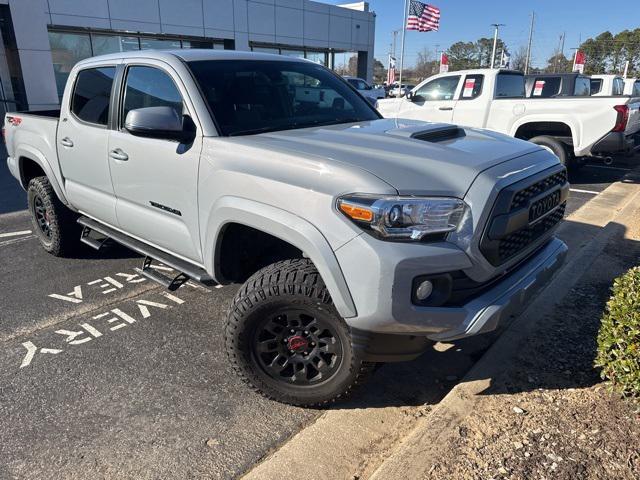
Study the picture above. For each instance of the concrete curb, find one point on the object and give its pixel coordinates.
(388, 442)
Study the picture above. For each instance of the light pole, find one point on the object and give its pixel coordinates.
(528, 60)
(495, 42)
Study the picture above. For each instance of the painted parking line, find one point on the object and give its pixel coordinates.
(15, 234)
(16, 240)
(578, 190)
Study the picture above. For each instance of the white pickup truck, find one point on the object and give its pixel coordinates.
(632, 87)
(608, 85)
(570, 127)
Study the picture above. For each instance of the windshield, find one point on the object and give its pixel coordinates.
(256, 96)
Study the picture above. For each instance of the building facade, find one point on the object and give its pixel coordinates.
(43, 39)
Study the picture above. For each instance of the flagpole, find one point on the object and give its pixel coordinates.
(404, 32)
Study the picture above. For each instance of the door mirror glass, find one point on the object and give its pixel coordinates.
(156, 122)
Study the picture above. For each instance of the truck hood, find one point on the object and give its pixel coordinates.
(414, 157)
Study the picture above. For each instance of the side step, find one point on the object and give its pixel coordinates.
(96, 235)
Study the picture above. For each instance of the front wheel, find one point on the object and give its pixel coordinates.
(285, 338)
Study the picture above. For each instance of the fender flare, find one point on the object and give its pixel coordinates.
(285, 226)
(25, 151)
(534, 119)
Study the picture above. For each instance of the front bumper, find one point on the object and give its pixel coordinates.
(380, 277)
(616, 142)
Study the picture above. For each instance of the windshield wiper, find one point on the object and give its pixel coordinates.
(317, 123)
(254, 131)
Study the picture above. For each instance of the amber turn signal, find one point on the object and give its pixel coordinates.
(356, 213)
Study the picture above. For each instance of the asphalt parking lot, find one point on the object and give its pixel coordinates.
(104, 374)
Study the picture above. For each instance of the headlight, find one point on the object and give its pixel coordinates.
(403, 218)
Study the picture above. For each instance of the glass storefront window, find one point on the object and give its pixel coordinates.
(265, 50)
(317, 57)
(66, 50)
(200, 44)
(292, 53)
(103, 44)
(158, 44)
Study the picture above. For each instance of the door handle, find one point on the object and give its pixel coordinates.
(66, 142)
(118, 154)
(445, 108)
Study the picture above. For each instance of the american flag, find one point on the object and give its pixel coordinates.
(423, 17)
(391, 73)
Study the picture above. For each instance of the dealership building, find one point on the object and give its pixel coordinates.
(43, 39)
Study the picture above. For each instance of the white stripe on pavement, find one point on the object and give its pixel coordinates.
(16, 240)
(577, 190)
(15, 234)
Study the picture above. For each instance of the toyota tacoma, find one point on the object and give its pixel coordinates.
(356, 240)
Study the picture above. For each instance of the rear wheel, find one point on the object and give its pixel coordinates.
(286, 339)
(554, 146)
(53, 223)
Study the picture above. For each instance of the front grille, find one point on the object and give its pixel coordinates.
(513, 244)
(510, 230)
(521, 198)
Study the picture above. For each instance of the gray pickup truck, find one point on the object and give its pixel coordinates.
(357, 239)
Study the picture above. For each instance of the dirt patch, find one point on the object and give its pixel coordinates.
(549, 415)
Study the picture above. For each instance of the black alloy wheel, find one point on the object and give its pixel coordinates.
(42, 216)
(297, 347)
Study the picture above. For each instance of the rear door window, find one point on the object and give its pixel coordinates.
(618, 86)
(582, 87)
(92, 95)
(472, 87)
(546, 87)
(509, 85)
(636, 89)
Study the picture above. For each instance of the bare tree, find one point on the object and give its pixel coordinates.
(519, 59)
(424, 64)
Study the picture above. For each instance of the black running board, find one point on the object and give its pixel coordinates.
(185, 269)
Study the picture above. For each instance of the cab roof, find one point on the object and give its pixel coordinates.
(192, 55)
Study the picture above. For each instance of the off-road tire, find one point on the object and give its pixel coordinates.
(64, 231)
(558, 148)
(294, 284)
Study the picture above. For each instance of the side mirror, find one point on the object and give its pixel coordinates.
(157, 122)
(410, 96)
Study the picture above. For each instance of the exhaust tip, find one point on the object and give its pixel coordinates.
(607, 160)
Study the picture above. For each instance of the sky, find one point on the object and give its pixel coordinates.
(470, 20)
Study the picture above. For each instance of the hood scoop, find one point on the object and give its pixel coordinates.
(441, 134)
(434, 133)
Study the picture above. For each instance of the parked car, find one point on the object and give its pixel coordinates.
(356, 239)
(570, 127)
(632, 87)
(397, 91)
(557, 85)
(607, 85)
(365, 89)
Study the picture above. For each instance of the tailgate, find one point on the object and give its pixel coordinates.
(633, 124)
